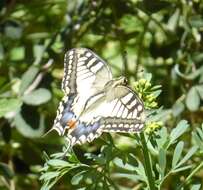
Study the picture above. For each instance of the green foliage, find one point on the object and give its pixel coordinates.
(138, 37)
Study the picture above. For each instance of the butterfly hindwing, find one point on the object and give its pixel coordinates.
(119, 102)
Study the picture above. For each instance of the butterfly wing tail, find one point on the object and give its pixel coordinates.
(54, 128)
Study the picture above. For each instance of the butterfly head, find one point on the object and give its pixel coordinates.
(117, 82)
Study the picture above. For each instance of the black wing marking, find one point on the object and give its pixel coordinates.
(82, 66)
(120, 102)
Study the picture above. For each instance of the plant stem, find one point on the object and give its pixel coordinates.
(148, 164)
(191, 175)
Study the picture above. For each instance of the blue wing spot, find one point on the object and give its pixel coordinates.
(67, 114)
(82, 129)
(66, 117)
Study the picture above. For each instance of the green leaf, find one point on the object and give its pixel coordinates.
(130, 23)
(128, 176)
(162, 115)
(27, 78)
(49, 175)
(181, 169)
(197, 57)
(77, 178)
(141, 172)
(196, 187)
(187, 156)
(193, 99)
(190, 76)
(200, 90)
(9, 105)
(178, 131)
(173, 21)
(162, 161)
(120, 164)
(200, 131)
(197, 140)
(17, 53)
(177, 153)
(178, 108)
(13, 31)
(58, 163)
(163, 138)
(37, 97)
(157, 93)
(6, 171)
(26, 130)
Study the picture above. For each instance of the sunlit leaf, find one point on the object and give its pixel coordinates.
(181, 169)
(189, 154)
(49, 175)
(28, 78)
(196, 187)
(120, 164)
(17, 54)
(13, 31)
(162, 161)
(173, 21)
(37, 97)
(77, 178)
(197, 140)
(177, 153)
(199, 88)
(178, 131)
(58, 163)
(26, 130)
(9, 105)
(193, 99)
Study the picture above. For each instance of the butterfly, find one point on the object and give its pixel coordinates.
(94, 101)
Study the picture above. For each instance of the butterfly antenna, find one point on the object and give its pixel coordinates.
(124, 63)
(49, 131)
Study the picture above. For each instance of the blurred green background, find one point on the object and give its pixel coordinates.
(161, 37)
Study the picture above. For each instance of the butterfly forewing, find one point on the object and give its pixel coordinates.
(85, 74)
(84, 70)
(91, 107)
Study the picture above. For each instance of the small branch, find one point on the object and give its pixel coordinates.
(4, 182)
(191, 175)
(140, 50)
(12, 182)
(39, 77)
(148, 164)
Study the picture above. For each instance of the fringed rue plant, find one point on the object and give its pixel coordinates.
(148, 164)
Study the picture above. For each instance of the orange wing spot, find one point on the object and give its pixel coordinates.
(71, 124)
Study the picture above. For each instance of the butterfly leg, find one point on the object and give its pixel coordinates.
(68, 149)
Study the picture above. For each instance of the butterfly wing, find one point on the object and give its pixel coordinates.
(119, 105)
(85, 74)
(89, 107)
(126, 111)
(118, 110)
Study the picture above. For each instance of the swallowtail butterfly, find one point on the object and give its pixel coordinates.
(94, 101)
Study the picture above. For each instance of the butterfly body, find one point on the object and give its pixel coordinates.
(94, 101)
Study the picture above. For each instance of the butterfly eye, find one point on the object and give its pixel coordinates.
(125, 81)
